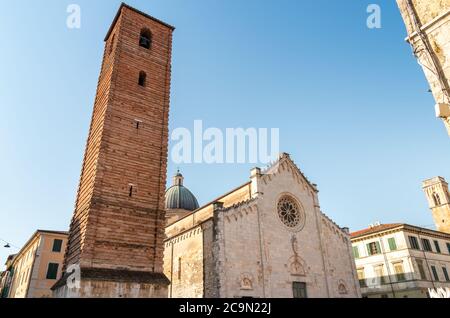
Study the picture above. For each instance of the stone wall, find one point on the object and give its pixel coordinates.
(239, 247)
(239, 259)
(210, 277)
(340, 264)
(184, 263)
(192, 239)
(433, 53)
(260, 256)
(109, 289)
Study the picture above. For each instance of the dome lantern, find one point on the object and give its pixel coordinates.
(179, 200)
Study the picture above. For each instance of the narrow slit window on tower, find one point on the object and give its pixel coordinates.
(137, 123)
(142, 78)
(145, 39)
(130, 194)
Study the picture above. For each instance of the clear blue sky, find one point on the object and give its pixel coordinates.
(351, 103)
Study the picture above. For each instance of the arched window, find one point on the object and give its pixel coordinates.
(142, 78)
(111, 44)
(437, 199)
(145, 39)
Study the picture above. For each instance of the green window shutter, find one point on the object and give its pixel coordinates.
(368, 250)
(378, 247)
(52, 271)
(392, 244)
(57, 245)
(355, 252)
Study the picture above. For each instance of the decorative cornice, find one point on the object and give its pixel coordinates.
(334, 225)
(285, 162)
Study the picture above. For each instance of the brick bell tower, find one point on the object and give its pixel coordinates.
(117, 230)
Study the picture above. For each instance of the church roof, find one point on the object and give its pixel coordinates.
(241, 194)
(179, 197)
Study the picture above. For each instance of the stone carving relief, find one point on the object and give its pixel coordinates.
(296, 263)
(246, 281)
(342, 288)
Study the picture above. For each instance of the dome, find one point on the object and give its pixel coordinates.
(178, 197)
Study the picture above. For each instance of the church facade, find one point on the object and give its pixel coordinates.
(266, 238)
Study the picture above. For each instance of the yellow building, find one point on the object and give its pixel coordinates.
(401, 261)
(32, 272)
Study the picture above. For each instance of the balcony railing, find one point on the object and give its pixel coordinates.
(380, 281)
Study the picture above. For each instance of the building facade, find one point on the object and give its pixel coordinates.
(116, 237)
(266, 238)
(32, 272)
(428, 26)
(438, 197)
(6, 277)
(401, 260)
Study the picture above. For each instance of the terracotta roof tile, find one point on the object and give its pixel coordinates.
(375, 229)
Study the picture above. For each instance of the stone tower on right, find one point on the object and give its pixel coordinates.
(428, 26)
(436, 190)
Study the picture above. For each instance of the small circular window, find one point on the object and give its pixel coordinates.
(290, 213)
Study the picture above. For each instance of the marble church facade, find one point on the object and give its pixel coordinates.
(266, 238)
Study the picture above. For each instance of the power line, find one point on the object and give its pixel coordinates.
(9, 244)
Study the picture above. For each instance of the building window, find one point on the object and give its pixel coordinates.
(373, 248)
(426, 245)
(379, 272)
(414, 242)
(142, 79)
(137, 123)
(444, 270)
(392, 244)
(131, 190)
(437, 246)
(448, 247)
(399, 272)
(355, 252)
(435, 273)
(179, 268)
(291, 213)
(362, 278)
(52, 271)
(57, 245)
(437, 199)
(423, 276)
(145, 39)
(299, 290)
